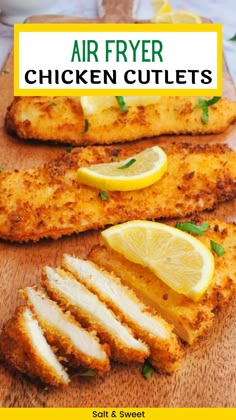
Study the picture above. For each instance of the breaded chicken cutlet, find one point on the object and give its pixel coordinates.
(165, 352)
(74, 344)
(61, 119)
(49, 202)
(24, 347)
(191, 320)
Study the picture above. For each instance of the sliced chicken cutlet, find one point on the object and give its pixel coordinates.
(24, 347)
(36, 118)
(165, 351)
(75, 344)
(190, 319)
(49, 201)
(93, 313)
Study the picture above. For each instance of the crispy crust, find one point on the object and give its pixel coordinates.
(48, 201)
(66, 349)
(17, 349)
(191, 319)
(35, 118)
(166, 354)
(88, 319)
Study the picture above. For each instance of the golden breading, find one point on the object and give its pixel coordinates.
(165, 351)
(191, 319)
(49, 202)
(23, 346)
(93, 313)
(77, 346)
(64, 121)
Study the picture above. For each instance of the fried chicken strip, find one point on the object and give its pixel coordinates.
(62, 119)
(165, 350)
(49, 202)
(23, 346)
(190, 319)
(76, 345)
(93, 313)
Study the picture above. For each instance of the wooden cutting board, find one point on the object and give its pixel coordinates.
(207, 376)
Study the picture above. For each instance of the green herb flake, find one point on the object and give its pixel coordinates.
(217, 248)
(128, 164)
(88, 372)
(104, 196)
(204, 104)
(121, 103)
(190, 227)
(6, 71)
(69, 149)
(1, 169)
(147, 370)
(86, 126)
(53, 104)
(115, 152)
(233, 38)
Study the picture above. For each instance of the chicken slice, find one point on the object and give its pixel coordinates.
(165, 350)
(24, 346)
(91, 312)
(61, 330)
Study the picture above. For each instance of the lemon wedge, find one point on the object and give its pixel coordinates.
(180, 260)
(161, 6)
(177, 16)
(96, 104)
(138, 171)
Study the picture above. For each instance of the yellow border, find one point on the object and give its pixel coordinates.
(111, 27)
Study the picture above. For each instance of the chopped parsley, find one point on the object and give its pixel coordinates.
(53, 104)
(205, 105)
(217, 248)
(104, 196)
(128, 164)
(121, 103)
(6, 71)
(192, 228)
(86, 126)
(233, 38)
(88, 372)
(147, 370)
(1, 169)
(69, 149)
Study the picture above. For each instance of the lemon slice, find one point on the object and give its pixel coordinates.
(96, 104)
(177, 16)
(177, 258)
(138, 171)
(161, 6)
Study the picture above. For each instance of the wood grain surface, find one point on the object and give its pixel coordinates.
(207, 377)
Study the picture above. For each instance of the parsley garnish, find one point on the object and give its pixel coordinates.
(219, 250)
(103, 195)
(128, 164)
(1, 169)
(53, 104)
(147, 370)
(88, 372)
(233, 38)
(86, 126)
(6, 71)
(121, 103)
(192, 228)
(69, 149)
(205, 105)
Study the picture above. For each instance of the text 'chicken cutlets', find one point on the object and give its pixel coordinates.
(49, 202)
(165, 351)
(24, 347)
(62, 119)
(76, 345)
(190, 319)
(91, 312)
